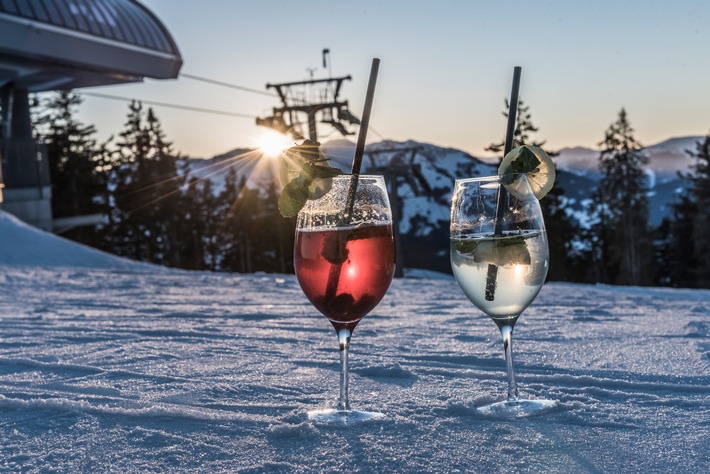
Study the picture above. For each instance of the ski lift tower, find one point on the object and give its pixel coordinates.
(312, 98)
(400, 168)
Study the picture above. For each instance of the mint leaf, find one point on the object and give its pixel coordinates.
(319, 171)
(314, 178)
(527, 161)
(524, 163)
(294, 196)
(311, 160)
(308, 151)
(500, 251)
(467, 246)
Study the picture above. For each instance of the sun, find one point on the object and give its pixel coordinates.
(272, 143)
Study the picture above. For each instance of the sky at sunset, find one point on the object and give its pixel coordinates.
(446, 67)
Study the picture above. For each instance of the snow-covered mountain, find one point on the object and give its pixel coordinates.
(424, 175)
(666, 159)
(577, 168)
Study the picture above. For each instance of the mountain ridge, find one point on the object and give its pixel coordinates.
(422, 175)
(666, 158)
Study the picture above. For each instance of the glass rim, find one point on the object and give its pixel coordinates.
(477, 178)
(350, 176)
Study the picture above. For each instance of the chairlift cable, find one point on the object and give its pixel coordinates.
(165, 104)
(226, 84)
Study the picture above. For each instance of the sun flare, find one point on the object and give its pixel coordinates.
(273, 143)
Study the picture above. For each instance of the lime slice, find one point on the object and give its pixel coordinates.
(531, 161)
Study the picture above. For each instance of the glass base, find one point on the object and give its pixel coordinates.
(518, 408)
(343, 417)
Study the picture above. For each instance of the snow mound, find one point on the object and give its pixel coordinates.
(24, 245)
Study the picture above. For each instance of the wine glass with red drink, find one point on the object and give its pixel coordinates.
(344, 257)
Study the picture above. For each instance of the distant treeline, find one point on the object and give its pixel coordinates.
(155, 210)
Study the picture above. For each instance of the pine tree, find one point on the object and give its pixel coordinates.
(561, 230)
(278, 233)
(621, 232)
(105, 159)
(197, 215)
(211, 216)
(593, 260)
(523, 128)
(73, 156)
(168, 207)
(232, 238)
(697, 233)
(244, 225)
(147, 192)
(676, 261)
(131, 150)
(258, 215)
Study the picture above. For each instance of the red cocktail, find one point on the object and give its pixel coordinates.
(346, 271)
(344, 262)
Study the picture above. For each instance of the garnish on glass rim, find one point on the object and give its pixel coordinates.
(531, 161)
(304, 174)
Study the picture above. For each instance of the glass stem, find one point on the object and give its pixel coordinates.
(507, 332)
(344, 342)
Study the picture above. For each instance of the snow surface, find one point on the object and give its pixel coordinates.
(111, 366)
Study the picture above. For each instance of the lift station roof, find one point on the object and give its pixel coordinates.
(68, 44)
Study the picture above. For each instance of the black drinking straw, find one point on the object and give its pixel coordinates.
(362, 135)
(503, 194)
(334, 275)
